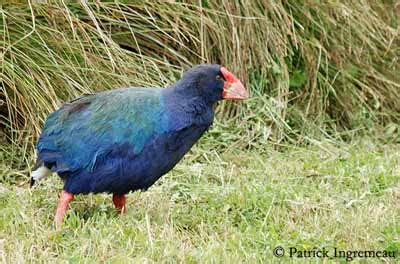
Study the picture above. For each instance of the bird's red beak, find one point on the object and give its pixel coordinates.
(233, 87)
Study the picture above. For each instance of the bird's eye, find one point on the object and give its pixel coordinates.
(219, 77)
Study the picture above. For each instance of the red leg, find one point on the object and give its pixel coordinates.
(65, 198)
(119, 201)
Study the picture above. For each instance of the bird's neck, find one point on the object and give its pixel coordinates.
(184, 102)
(186, 91)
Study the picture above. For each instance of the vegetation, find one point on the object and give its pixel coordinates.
(232, 207)
(327, 66)
(287, 167)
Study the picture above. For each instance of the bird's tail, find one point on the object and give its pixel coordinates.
(40, 171)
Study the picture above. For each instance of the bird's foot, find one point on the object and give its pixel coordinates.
(119, 201)
(62, 208)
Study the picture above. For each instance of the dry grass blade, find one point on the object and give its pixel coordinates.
(315, 68)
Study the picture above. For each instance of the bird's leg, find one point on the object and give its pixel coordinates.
(119, 201)
(65, 198)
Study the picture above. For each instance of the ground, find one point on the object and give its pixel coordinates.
(228, 206)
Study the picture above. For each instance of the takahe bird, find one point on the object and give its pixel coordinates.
(125, 139)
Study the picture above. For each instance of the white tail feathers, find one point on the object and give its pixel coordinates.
(40, 173)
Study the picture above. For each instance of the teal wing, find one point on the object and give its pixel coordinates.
(86, 129)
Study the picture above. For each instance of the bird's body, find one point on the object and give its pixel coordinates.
(121, 140)
(125, 139)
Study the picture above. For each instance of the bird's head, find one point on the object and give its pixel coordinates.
(214, 82)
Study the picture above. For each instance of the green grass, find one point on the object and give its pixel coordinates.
(230, 206)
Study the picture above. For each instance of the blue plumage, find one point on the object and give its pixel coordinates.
(124, 140)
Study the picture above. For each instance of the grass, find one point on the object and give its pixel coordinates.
(227, 206)
(328, 64)
(286, 168)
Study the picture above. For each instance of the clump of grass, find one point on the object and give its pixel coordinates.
(314, 68)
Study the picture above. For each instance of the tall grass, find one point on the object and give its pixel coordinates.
(325, 66)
